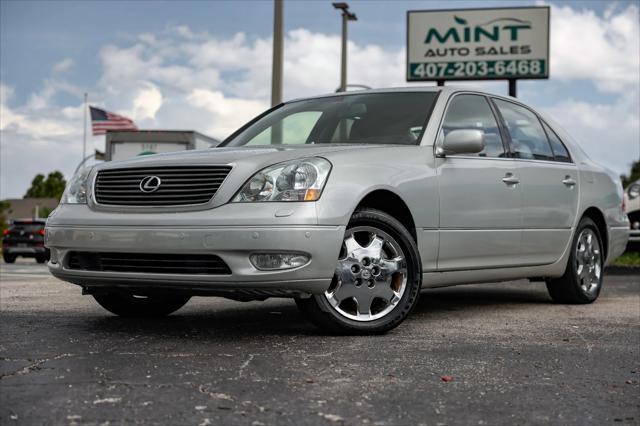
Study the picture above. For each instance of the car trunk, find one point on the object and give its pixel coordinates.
(24, 234)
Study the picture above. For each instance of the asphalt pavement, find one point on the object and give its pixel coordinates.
(486, 354)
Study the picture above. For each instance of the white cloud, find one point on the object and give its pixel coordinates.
(147, 102)
(63, 66)
(41, 99)
(227, 114)
(183, 79)
(7, 116)
(29, 124)
(609, 133)
(35, 140)
(313, 64)
(602, 49)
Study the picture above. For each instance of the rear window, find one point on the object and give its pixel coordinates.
(27, 227)
(559, 150)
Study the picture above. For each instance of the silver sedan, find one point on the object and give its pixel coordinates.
(350, 204)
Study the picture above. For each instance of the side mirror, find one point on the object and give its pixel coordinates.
(463, 141)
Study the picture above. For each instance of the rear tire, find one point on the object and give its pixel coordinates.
(377, 280)
(9, 258)
(129, 305)
(41, 259)
(582, 280)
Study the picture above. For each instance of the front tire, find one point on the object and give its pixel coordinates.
(377, 280)
(582, 280)
(129, 305)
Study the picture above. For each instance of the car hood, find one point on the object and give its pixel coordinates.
(258, 156)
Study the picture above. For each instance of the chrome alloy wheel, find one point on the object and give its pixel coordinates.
(371, 275)
(588, 261)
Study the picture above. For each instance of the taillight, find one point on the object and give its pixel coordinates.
(5, 232)
(41, 232)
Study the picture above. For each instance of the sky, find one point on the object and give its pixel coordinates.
(206, 66)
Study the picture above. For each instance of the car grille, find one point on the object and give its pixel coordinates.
(179, 185)
(193, 264)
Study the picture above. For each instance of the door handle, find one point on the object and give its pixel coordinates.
(510, 179)
(569, 181)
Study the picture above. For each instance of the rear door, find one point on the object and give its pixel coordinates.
(549, 183)
(480, 198)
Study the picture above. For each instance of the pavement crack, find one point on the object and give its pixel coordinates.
(576, 331)
(34, 366)
(215, 395)
(245, 365)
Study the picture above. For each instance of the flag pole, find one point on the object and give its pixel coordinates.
(84, 140)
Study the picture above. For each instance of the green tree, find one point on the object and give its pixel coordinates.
(634, 174)
(45, 211)
(53, 186)
(37, 187)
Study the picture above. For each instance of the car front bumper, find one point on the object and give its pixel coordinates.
(233, 244)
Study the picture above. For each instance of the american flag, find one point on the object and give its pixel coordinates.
(102, 120)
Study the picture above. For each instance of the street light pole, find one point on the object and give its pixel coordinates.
(343, 56)
(84, 128)
(346, 16)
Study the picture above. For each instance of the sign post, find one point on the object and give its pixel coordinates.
(478, 44)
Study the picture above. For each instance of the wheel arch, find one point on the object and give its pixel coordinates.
(392, 204)
(597, 217)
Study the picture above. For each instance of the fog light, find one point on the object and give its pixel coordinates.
(275, 261)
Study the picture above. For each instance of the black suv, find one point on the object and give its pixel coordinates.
(24, 238)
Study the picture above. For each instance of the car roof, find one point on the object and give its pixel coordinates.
(445, 90)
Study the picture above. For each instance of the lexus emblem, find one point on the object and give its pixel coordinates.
(150, 184)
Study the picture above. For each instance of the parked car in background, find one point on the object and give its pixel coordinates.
(632, 207)
(25, 238)
(349, 203)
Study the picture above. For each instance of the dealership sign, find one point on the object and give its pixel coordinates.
(478, 44)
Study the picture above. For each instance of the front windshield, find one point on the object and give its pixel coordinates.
(374, 118)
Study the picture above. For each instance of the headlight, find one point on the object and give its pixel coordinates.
(76, 190)
(299, 180)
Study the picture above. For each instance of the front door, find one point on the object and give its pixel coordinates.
(480, 195)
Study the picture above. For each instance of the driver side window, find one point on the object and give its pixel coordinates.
(473, 112)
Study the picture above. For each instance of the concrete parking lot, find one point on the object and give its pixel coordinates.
(506, 353)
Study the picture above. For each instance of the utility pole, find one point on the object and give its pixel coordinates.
(346, 17)
(278, 47)
(276, 66)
